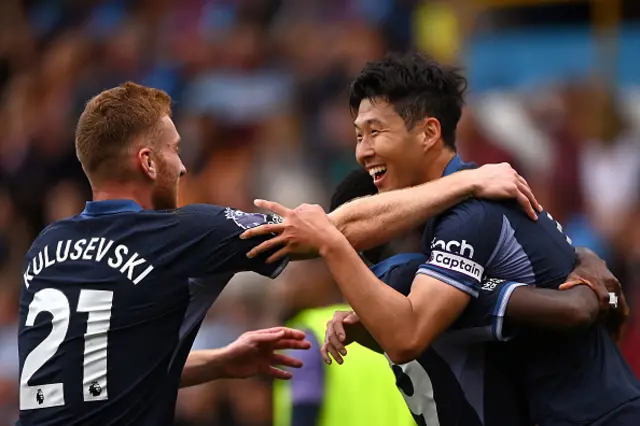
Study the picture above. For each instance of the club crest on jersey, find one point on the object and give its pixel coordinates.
(251, 220)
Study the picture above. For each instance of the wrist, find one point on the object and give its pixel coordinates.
(332, 243)
(467, 184)
(218, 362)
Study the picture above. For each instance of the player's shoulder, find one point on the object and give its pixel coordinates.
(480, 207)
(198, 209)
(470, 214)
(54, 229)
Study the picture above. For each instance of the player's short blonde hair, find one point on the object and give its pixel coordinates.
(111, 122)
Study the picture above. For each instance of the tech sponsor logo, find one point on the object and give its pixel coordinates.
(462, 248)
(456, 263)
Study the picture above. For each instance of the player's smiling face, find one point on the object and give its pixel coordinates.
(169, 166)
(392, 154)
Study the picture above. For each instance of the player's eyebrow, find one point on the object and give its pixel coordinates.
(370, 122)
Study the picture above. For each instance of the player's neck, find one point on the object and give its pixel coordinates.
(119, 191)
(438, 163)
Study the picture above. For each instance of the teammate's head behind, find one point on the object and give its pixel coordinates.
(406, 109)
(125, 137)
(357, 184)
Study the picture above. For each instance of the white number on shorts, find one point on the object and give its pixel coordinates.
(97, 303)
(421, 402)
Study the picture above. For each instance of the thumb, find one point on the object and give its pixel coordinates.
(570, 284)
(351, 319)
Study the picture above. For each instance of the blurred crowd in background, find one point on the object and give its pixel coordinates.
(260, 101)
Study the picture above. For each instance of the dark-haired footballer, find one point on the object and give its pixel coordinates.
(112, 298)
(406, 110)
(455, 382)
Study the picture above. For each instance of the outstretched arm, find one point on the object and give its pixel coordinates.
(251, 354)
(371, 221)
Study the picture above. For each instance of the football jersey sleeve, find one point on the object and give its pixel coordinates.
(464, 241)
(209, 241)
(488, 311)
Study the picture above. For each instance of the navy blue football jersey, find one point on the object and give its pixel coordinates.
(450, 383)
(111, 302)
(568, 379)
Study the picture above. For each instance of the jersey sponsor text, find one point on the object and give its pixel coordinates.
(462, 248)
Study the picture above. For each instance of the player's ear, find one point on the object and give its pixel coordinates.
(147, 162)
(430, 131)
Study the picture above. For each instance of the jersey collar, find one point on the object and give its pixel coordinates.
(456, 164)
(97, 208)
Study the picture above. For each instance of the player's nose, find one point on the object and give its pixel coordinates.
(183, 170)
(364, 152)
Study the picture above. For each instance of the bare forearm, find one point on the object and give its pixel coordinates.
(553, 309)
(371, 221)
(203, 366)
(384, 312)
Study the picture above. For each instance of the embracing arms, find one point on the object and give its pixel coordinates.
(371, 221)
(577, 306)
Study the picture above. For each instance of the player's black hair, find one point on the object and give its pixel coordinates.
(417, 86)
(357, 184)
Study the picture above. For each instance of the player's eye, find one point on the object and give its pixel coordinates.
(374, 132)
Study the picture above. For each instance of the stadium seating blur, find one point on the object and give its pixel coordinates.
(260, 100)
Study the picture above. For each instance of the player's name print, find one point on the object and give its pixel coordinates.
(116, 256)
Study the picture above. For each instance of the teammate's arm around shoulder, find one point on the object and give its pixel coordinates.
(207, 241)
(371, 221)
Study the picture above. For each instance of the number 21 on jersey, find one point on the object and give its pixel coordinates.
(97, 304)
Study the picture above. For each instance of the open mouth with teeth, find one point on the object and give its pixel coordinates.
(377, 173)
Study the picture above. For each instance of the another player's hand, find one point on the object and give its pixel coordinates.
(253, 353)
(336, 337)
(594, 272)
(301, 234)
(500, 181)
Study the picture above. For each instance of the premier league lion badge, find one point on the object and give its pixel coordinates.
(251, 220)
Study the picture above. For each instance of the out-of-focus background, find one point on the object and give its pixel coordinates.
(260, 100)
